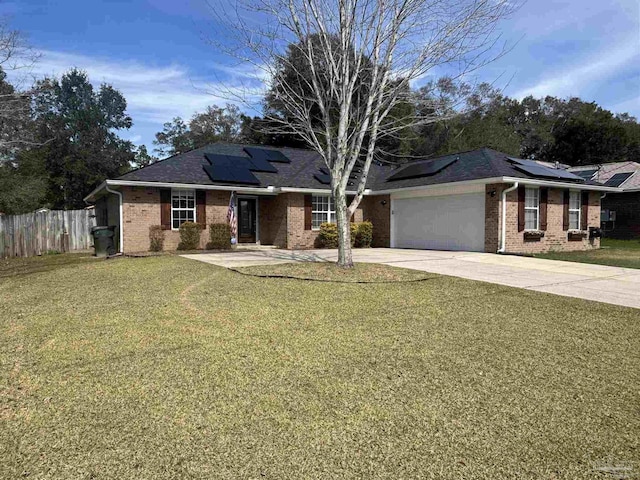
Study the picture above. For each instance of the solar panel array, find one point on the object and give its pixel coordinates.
(224, 174)
(537, 170)
(267, 155)
(421, 169)
(324, 177)
(231, 161)
(618, 179)
(234, 169)
(586, 174)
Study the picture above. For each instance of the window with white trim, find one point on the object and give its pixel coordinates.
(183, 207)
(323, 210)
(574, 210)
(531, 208)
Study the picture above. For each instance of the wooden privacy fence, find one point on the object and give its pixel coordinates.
(45, 231)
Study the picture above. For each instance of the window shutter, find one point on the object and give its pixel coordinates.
(201, 208)
(565, 213)
(584, 221)
(544, 198)
(165, 208)
(521, 192)
(307, 212)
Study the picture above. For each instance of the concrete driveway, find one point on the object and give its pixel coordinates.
(618, 286)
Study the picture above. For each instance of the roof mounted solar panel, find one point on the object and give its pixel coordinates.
(267, 155)
(586, 174)
(227, 174)
(421, 169)
(323, 178)
(618, 179)
(240, 162)
(537, 170)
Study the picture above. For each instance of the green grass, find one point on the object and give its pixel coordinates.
(617, 253)
(164, 367)
(330, 272)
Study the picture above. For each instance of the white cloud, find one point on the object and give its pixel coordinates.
(154, 94)
(588, 73)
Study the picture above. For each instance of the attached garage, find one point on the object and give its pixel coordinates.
(441, 222)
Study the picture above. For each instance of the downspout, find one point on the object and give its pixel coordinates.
(503, 232)
(121, 216)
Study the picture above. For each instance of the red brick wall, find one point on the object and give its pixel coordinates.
(492, 209)
(297, 236)
(282, 220)
(272, 218)
(380, 216)
(141, 209)
(555, 239)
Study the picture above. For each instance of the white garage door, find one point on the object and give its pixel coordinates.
(448, 222)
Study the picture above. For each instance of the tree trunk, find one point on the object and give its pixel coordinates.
(345, 258)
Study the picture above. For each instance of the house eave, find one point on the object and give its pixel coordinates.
(271, 190)
(550, 183)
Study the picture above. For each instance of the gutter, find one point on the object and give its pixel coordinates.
(271, 190)
(503, 232)
(121, 226)
(549, 183)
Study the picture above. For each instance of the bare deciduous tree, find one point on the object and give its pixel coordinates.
(15, 55)
(355, 63)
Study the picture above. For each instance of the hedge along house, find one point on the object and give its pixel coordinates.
(481, 200)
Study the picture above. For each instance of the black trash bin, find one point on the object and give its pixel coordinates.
(103, 240)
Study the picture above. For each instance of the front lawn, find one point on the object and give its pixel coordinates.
(617, 253)
(164, 367)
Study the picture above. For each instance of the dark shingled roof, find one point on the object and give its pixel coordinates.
(189, 168)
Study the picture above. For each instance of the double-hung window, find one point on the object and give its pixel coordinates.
(532, 209)
(183, 207)
(574, 210)
(323, 210)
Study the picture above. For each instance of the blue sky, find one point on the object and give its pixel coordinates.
(155, 52)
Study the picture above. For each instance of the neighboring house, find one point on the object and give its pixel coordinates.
(620, 211)
(452, 202)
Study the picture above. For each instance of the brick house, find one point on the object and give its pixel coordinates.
(620, 211)
(481, 200)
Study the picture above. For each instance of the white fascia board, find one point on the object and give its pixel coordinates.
(270, 190)
(549, 183)
(313, 190)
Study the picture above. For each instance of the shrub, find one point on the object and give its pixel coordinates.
(364, 237)
(219, 236)
(189, 236)
(328, 236)
(156, 238)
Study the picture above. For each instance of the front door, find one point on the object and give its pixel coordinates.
(246, 220)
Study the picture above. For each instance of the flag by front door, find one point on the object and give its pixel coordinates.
(232, 219)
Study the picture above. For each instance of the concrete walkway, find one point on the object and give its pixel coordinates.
(618, 286)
